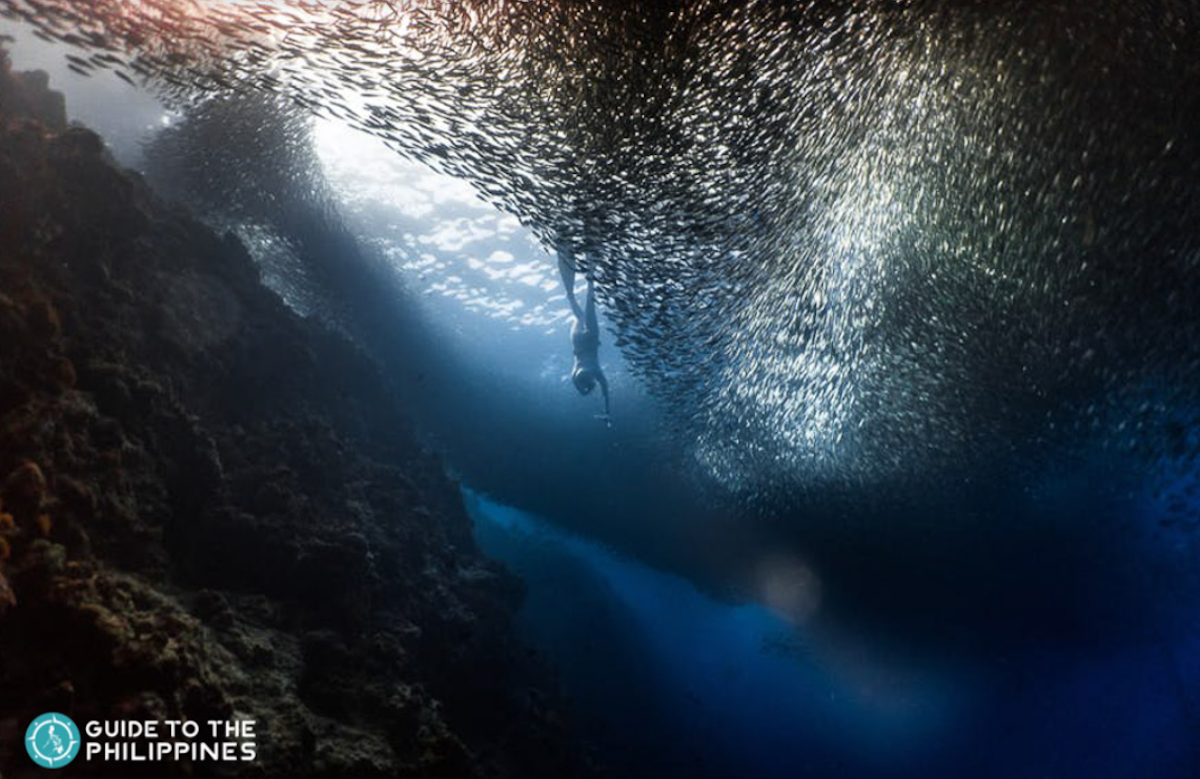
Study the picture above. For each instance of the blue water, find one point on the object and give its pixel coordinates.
(668, 681)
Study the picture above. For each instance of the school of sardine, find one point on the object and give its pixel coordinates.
(844, 242)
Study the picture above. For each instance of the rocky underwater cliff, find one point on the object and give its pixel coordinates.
(215, 509)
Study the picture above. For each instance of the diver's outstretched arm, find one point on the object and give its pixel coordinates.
(604, 389)
(566, 267)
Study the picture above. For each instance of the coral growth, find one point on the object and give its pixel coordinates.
(239, 524)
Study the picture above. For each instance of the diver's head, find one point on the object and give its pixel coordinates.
(585, 380)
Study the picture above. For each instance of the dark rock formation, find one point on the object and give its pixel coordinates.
(213, 508)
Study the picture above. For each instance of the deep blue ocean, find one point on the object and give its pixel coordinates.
(671, 682)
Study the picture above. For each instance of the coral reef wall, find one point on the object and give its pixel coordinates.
(213, 508)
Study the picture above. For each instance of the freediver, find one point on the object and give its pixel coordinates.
(585, 334)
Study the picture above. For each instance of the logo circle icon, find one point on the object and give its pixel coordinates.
(52, 740)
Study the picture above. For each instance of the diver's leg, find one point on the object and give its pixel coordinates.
(589, 316)
(566, 267)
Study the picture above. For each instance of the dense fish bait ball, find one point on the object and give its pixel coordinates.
(845, 241)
